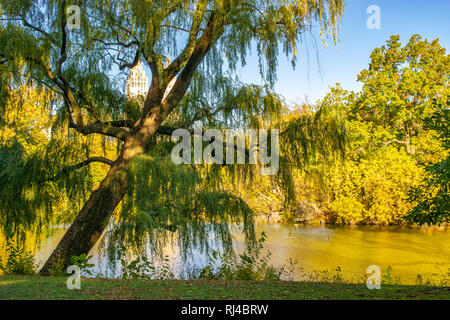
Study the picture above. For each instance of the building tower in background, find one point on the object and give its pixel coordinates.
(137, 82)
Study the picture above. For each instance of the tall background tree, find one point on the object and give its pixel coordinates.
(391, 139)
(86, 68)
(399, 88)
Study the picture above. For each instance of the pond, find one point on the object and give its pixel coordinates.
(409, 251)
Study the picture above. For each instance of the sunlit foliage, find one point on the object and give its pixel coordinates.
(36, 163)
(390, 140)
(395, 125)
(399, 88)
(432, 196)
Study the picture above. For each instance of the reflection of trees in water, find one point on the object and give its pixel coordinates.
(408, 251)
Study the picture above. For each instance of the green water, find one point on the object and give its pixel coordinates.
(409, 251)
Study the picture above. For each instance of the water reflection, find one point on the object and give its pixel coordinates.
(409, 251)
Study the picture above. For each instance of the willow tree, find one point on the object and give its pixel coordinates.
(85, 64)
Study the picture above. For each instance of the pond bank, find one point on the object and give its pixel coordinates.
(314, 216)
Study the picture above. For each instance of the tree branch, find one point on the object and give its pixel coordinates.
(199, 52)
(174, 68)
(93, 159)
(167, 131)
(102, 128)
(120, 123)
(80, 165)
(394, 140)
(133, 63)
(45, 34)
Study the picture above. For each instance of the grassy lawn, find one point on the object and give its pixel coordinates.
(55, 288)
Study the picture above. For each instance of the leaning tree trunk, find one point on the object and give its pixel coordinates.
(93, 218)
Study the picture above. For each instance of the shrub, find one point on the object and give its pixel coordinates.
(82, 261)
(57, 269)
(18, 261)
(248, 266)
(142, 268)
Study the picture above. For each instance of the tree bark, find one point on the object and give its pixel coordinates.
(92, 220)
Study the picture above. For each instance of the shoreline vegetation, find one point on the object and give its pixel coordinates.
(34, 287)
(323, 218)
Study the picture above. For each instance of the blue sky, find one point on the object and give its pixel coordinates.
(342, 63)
